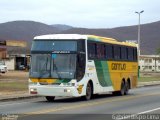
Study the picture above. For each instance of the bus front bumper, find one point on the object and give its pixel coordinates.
(54, 91)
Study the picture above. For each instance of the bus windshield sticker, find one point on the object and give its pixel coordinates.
(54, 56)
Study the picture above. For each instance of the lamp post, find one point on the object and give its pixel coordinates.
(139, 30)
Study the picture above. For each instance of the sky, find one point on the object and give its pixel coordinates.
(81, 13)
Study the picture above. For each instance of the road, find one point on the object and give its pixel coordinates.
(144, 100)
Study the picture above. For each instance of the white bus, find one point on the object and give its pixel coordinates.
(81, 65)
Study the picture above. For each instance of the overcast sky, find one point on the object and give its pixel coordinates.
(81, 13)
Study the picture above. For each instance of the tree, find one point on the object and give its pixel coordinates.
(158, 51)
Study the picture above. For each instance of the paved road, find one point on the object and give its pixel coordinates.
(142, 100)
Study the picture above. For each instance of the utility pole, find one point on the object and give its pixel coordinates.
(139, 31)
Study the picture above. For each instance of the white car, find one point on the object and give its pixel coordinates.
(3, 67)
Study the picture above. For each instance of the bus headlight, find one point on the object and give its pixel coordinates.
(67, 90)
(33, 91)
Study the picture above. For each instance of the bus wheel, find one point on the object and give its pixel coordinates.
(88, 92)
(50, 98)
(126, 88)
(123, 89)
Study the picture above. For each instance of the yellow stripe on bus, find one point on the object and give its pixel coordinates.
(42, 80)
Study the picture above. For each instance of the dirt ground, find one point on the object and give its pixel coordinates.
(14, 76)
(14, 81)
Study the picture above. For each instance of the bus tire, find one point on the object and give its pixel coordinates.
(122, 90)
(89, 92)
(126, 88)
(50, 98)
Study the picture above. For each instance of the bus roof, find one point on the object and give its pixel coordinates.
(89, 37)
(110, 40)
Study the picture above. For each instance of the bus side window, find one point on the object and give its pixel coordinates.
(130, 54)
(91, 50)
(117, 52)
(109, 51)
(80, 66)
(135, 54)
(100, 51)
(123, 53)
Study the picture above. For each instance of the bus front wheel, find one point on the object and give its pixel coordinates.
(50, 98)
(88, 92)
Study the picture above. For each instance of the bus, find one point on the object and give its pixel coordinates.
(76, 65)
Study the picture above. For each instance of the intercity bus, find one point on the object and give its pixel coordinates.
(77, 65)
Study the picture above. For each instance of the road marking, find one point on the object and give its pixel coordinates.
(148, 111)
(87, 104)
(134, 115)
(12, 104)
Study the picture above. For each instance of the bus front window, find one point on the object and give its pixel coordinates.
(63, 66)
(40, 66)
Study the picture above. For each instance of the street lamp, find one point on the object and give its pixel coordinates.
(139, 31)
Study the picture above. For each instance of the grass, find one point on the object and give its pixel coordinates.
(13, 86)
(148, 79)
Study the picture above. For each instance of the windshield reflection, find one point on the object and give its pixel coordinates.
(63, 66)
(40, 66)
(53, 66)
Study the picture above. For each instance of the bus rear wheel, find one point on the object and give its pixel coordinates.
(88, 92)
(126, 88)
(50, 98)
(122, 90)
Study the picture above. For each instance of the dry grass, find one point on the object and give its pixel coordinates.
(14, 81)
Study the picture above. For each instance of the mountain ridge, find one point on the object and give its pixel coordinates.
(27, 30)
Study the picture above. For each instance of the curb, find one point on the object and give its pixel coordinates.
(148, 85)
(17, 98)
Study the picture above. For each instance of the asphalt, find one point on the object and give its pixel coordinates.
(25, 95)
(143, 100)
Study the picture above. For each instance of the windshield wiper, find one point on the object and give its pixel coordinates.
(57, 72)
(45, 69)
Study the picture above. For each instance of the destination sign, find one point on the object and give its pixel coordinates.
(64, 52)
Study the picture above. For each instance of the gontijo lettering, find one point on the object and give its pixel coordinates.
(118, 66)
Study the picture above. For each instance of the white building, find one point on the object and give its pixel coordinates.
(149, 63)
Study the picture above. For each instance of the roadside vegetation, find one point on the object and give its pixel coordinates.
(14, 81)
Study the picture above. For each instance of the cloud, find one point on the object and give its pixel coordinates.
(82, 13)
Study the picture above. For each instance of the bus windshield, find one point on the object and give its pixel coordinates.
(61, 59)
(53, 66)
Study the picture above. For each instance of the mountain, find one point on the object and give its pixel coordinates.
(61, 27)
(27, 30)
(150, 35)
(24, 30)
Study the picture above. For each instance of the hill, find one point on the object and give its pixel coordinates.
(61, 27)
(26, 30)
(150, 35)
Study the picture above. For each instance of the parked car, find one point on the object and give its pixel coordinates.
(22, 67)
(3, 67)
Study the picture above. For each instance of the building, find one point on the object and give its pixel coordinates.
(17, 61)
(149, 63)
(14, 54)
